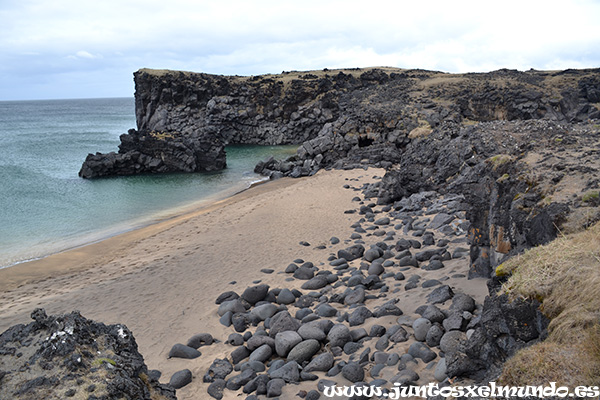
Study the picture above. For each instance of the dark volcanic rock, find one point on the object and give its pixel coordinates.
(304, 351)
(354, 372)
(143, 152)
(180, 379)
(200, 339)
(505, 327)
(182, 351)
(57, 350)
(440, 294)
(219, 369)
(254, 294)
(352, 252)
(322, 362)
(340, 118)
(283, 321)
(289, 372)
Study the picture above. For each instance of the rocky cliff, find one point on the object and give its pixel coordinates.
(185, 119)
(69, 356)
(519, 145)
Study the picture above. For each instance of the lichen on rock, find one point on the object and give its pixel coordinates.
(69, 356)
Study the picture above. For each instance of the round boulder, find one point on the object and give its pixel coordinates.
(421, 327)
(180, 379)
(304, 351)
(285, 341)
(354, 372)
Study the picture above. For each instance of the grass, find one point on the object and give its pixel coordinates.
(499, 160)
(162, 135)
(421, 131)
(99, 361)
(590, 196)
(564, 276)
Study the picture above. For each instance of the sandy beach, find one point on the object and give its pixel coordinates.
(162, 280)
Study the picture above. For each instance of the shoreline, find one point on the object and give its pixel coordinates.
(139, 223)
(63, 261)
(162, 281)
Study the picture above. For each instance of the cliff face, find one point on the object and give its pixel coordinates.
(519, 145)
(350, 115)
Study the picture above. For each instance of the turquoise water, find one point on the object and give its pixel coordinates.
(45, 207)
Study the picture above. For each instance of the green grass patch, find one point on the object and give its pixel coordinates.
(591, 196)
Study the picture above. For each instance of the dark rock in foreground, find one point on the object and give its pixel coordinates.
(71, 356)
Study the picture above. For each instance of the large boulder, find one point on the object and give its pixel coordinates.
(66, 348)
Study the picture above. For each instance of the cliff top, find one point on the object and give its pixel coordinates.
(430, 78)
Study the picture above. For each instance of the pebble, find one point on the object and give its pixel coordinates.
(421, 327)
(201, 339)
(285, 341)
(304, 351)
(254, 294)
(239, 354)
(310, 331)
(262, 354)
(420, 350)
(323, 362)
(339, 335)
(215, 389)
(180, 379)
(274, 387)
(440, 370)
(451, 341)
(286, 297)
(434, 335)
(359, 316)
(440, 295)
(227, 296)
(354, 372)
(182, 351)
(289, 372)
(219, 369)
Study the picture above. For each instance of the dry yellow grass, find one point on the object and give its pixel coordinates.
(546, 362)
(420, 132)
(564, 276)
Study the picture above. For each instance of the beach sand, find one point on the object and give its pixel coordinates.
(162, 280)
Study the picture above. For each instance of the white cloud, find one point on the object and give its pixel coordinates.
(82, 54)
(263, 36)
(85, 54)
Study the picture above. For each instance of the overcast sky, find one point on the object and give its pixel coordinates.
(82, 48)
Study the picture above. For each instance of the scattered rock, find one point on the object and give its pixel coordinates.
(180, 379)
(304, 351)
(201, 339)
(440, 295)
(182, 351)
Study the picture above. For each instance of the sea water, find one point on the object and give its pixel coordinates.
(45, 207)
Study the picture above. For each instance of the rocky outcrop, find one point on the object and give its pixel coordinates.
(340, 117)
(69, 356)
(513, 176)
(156, 152)
(503, 328)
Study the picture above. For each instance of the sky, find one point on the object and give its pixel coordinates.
(56, 49)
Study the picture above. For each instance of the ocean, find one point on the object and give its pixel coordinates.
(46, 208)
